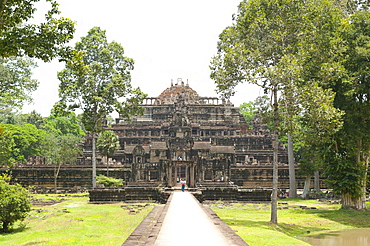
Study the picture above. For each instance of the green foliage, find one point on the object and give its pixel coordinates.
(14, 203)
(109, 182)
(284, 47)
(35, 119)
(348, 154)
(16, 83)
(6, 146)
(61, 149)
(63, 125)
(248, 110)
(19, 37)
(96, 80)
(107, 143)
(344, 173)
(27, 139)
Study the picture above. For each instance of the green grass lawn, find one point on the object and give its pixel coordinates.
(251, 221)
(74, 221)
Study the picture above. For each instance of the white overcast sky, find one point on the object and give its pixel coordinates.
(168, 39)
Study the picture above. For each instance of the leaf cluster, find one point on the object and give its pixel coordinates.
(107, 143)
(109, 181)
(14, 203)
(19, 37)
(61, 149)
(344, 173)
(96, 80)
(57, 138)
(27, 140)
(15, 80)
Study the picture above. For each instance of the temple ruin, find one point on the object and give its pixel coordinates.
(183, 135)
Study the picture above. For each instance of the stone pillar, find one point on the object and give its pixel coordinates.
(170, 178)
(192, 175)
(176, 174)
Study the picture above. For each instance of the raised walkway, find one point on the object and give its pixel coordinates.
(183, 221)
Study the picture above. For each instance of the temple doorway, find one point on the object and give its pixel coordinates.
(181, 171)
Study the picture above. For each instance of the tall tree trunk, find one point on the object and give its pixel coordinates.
(5, 226)
(275, 161)
(348, 200)
(306, 188)
(317, 182)
(292, 181)
(365, 178)
(93, 160)
(107, 166)
(56, 174)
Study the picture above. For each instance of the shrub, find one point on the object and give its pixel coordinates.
(108, 181)
(14, 203)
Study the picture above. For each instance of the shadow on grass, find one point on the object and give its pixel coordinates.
(20, 228)
(288, 229)
(348, 217)
(359, 219)
(353, 218)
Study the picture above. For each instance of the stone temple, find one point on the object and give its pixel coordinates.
(181, 135)
(200, 139)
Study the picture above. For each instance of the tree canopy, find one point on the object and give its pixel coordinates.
(98, 81)
(63, 125)
(285, 47)
(107, 143)
(27, 140)
(19, 37)
(347, 156)
(15, 80)
(316, 54)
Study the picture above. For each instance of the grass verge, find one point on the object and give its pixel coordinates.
(251, 220)
(73, 221)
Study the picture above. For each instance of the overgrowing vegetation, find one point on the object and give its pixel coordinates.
(109, 181)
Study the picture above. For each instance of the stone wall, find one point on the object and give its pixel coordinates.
(70, 177)
(129, 194)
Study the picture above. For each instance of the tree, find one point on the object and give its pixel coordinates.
(6, 146)
(347, 156)
(95, 82)
(61, 143)
(60, 150)
(267, 45)
(63, 125)
(313, 127)
(15, 80)
(34, 118)
(14, 203)
(19, 37)
(107, 144)
(27, 139)
(251, 50)
(248, 110)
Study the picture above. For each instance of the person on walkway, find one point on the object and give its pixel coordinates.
(183, 183)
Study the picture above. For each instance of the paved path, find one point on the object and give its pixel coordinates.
(183, 221)
(187, 224)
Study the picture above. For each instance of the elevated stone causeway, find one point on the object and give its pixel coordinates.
(183, 221)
